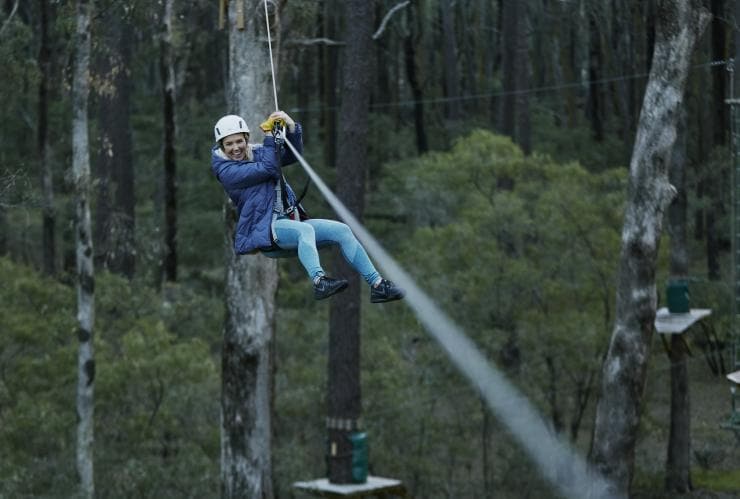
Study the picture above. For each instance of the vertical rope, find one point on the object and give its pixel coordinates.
(272, 65)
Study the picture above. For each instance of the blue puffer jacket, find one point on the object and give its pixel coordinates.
(251, 187)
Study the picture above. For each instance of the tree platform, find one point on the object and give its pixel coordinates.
(384, 488)
(668, 323)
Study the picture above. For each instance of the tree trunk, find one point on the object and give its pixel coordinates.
(48, 242)
(85, 272)
(736, 46)
(556, 415)
(678, 464)
(486, 464)
(594, 106)
(328, 85)
(624, 51)
(552, 45)
(468, 16)
(167, 74)
(720, 125)
(3, 231)
(677, 213)
(719, 73)
(524, 76)
(386, 84)
(449, 51)
(510, 36)
(650, 14)
(344, 398)
(114, 221)
(624, 373)
(570, 66)
(490, 53)
(496, 104)
(251, 286)
(409, 43)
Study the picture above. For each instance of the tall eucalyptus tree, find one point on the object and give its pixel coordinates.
(84, 246)
(167, 76)
(251, 285)
(344, 327)
(48, 212)
(114, 214)
(679, 25)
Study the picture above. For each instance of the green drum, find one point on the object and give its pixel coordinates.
(359, 457)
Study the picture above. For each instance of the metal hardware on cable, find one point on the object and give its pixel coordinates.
(278, 132)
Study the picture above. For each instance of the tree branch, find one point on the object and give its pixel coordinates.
(387, 18)
(330, 42)
(314, 41)
(10, 17)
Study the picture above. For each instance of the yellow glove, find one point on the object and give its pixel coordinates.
(269, 124)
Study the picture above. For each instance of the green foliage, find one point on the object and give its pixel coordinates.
(37, 369)
(521, 251)
(157, 390)
(18, 60)
(563, 143)
(717, 480)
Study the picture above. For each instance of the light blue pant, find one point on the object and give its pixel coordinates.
(305, 236)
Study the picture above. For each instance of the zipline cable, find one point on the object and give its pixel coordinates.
(558, 461)
(502, 93)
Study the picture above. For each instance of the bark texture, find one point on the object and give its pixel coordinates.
(523, 70)
(344, 398)
(167, 75)
(114, 214)
(450, 55)
(594, 106)
(410, 41)
(720, 125)
(680, 23)
(678, 464)
(510, 37)
(251, 285)
(85, 274)
(47, 183)
(328, 63)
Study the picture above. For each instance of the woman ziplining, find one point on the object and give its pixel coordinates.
(271, 217)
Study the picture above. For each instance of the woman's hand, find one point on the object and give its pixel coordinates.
(282, 115)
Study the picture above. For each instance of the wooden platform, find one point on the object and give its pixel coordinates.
(668, 323)
(374, 487)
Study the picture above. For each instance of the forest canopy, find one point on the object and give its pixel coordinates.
(498, 147)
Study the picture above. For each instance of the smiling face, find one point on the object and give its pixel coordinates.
(235, 146)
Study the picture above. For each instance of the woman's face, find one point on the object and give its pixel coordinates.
(235, 146)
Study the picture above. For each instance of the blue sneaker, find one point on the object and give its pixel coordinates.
(385, 291)
(326, 286)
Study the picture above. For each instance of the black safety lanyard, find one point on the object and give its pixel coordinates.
(283, 189)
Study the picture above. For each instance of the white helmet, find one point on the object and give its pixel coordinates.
(229, 125)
